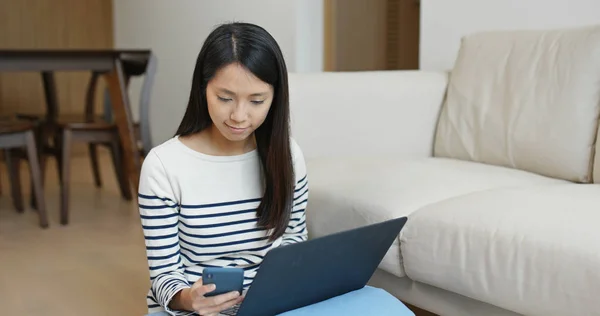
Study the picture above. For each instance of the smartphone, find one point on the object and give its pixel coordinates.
(226, 280)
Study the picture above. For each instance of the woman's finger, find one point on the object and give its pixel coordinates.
(221, 302)
(223, 298)
(199, 290)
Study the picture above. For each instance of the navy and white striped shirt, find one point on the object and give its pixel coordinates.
(199, 211)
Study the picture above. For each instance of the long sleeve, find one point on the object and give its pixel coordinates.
(159, 213)
(296, 230)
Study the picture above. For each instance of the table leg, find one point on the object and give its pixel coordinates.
(124, 120)
(49, 125)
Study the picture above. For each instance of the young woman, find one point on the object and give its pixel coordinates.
(231, 185)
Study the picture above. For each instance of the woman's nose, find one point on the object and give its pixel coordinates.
(239, 113)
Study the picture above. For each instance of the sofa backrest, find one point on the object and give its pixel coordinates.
(366, 113)
(525, 99)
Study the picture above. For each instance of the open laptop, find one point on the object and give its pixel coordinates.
(306, 273)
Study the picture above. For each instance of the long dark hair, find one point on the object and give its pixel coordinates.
(254, 48)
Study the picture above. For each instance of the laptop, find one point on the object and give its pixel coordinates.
(309, 272)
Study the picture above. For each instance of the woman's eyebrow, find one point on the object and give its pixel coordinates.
(258, 94)
(226, 91)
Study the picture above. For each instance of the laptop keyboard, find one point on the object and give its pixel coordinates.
(231, 311)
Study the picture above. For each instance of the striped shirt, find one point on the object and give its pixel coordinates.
(199, 211)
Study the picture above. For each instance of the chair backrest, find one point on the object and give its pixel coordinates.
(144, 101)
(90, 95)
(145, 96)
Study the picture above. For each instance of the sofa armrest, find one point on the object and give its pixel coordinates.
(368, 113)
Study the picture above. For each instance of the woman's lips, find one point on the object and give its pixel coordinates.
(236, 130)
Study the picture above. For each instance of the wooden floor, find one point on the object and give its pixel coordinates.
(94, 266)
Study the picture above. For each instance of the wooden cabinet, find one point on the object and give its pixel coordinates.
(363, 35)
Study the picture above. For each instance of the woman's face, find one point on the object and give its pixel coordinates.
(238, 102)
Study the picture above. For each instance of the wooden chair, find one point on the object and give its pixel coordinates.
(15, 135)
(65, 129)
(103, 132)
(93, 133)
(57, 133)
(142, 127)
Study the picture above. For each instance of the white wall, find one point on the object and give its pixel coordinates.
(175, 31)
(444, 22)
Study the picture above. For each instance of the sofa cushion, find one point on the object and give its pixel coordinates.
(525, 99)
(351, 193)
(533, 250)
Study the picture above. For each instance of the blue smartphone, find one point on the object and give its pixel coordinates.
(225, 279)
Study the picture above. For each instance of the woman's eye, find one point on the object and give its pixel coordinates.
(258, 102)
(224, 99)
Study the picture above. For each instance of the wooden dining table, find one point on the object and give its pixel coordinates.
(111, 63)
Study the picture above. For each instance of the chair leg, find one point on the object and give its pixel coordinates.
(41, 142)
(118, 163)
(12, 165)
(95, 167)
(58, 143)
(42, 164)
(66, 176)
(36, 178)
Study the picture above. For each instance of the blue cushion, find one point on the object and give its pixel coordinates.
(366, 301)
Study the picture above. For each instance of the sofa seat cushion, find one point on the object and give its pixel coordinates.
(351, 193)
(532, 250)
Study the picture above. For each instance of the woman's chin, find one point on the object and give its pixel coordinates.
(236, 136)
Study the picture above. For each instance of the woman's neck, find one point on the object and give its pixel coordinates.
(226, 147)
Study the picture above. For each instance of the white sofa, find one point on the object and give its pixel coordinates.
(493, 164)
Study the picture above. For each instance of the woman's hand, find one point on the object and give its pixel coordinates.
(210, 305)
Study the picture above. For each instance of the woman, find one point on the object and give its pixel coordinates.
(231, 185)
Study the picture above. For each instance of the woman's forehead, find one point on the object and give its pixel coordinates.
(237, 79)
